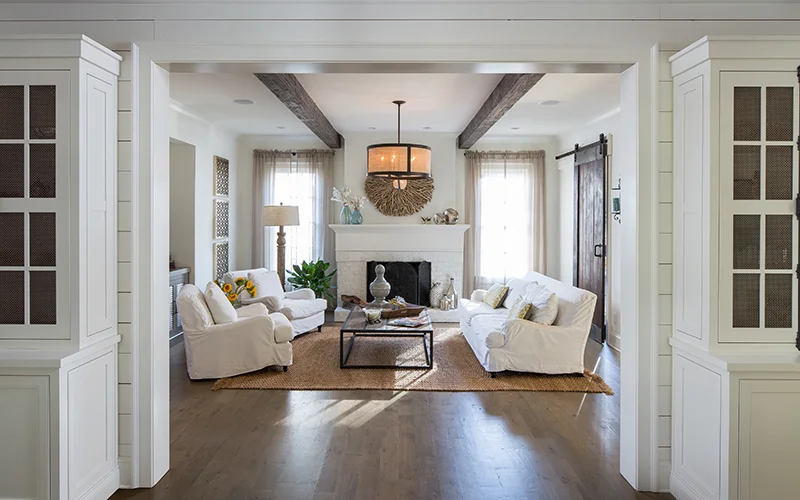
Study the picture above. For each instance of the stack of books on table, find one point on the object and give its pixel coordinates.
(412, 322)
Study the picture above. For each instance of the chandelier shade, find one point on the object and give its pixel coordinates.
(399, 161)
(406, 161)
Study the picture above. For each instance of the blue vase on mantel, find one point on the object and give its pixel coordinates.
(344, 215)
(356, 217)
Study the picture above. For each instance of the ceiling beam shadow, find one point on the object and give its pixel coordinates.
(508, 91)
(290, 92)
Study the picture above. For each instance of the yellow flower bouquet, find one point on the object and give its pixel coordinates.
(234, 292)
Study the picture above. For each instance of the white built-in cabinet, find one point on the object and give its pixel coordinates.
(58, 254)
(736, 370)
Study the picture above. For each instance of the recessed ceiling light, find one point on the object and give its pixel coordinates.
(280, 128)
(514, 128)
(548, 102)
(426, 128)
(244, 101)
(372, 128)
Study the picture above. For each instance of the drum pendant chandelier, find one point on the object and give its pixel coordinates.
(399, 162)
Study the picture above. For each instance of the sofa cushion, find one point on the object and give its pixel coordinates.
(192, 307)
(469, 309)
(495, 295)
(296, 309)
(221, 309)
(545, 304)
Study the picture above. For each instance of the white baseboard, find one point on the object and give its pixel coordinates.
(125, 479)
(682, 489)
(104, 487)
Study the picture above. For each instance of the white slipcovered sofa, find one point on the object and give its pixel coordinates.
(303, 309)
(521, 345)
(254, 341)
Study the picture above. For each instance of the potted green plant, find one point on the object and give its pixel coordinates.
(313, 275)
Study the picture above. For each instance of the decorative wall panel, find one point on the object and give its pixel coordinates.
(221, 219)
(221, 259)
(221, 175)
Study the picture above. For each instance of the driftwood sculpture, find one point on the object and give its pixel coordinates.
(398, 202)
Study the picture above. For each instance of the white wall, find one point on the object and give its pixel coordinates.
(209, 141)
(445, 170)
(350, 168)
(552, 194)
(588, 134)
(181, 204)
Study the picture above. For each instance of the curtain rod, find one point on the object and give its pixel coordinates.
(579, 148)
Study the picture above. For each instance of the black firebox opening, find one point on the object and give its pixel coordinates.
(410, 280)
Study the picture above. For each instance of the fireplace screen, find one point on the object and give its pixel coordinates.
(410, 280)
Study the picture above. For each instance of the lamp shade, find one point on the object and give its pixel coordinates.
(280, 215)
(399, 161)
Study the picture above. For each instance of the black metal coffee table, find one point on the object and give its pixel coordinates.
(357, 325)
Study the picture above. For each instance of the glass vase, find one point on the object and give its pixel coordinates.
(451, 294)
(356, 217)
(344, 215)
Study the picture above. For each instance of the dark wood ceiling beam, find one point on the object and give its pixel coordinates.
(290, 92)
(508, 91)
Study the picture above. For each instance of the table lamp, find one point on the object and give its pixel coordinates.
(280, 215)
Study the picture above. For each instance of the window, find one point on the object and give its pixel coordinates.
(294, 184)
(300, 179)
(509, 215)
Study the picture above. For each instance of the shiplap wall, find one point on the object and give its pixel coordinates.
(664, 255)
(126, 151)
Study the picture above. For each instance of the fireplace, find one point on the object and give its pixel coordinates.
(410, 280)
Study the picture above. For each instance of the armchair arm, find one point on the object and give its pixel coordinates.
(250, 310)
(301, 294)
(478, 295)
(527, 338)
(283, 328)
(252, 333)
(272, 303)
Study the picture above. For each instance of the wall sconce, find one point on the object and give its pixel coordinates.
(615, 202)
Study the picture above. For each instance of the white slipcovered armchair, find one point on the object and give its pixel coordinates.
(303, 309)
(254, 341)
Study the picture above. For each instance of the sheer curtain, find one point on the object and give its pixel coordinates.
(505, 207)
(301, 178)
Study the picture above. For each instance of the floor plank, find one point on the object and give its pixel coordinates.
(323, 445)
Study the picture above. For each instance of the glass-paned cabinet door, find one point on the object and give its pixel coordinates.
(758, 231)
(34, 205)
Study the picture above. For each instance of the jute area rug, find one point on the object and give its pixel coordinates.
(455, 368)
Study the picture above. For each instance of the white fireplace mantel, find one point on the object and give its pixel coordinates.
(357, 244)
(399, 237)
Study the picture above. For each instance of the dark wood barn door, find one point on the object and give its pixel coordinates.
(589, 263)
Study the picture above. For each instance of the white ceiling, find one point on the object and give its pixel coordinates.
(583, 97)
(357, 102)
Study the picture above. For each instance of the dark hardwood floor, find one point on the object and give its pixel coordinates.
(384, 445)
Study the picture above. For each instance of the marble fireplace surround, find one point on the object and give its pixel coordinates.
(442, 246)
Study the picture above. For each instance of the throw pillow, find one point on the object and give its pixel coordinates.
(221, 308)
(517, 289)
(274, 304)
(520, 309)
(267, 283)
(495, 295)
(545, 305)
